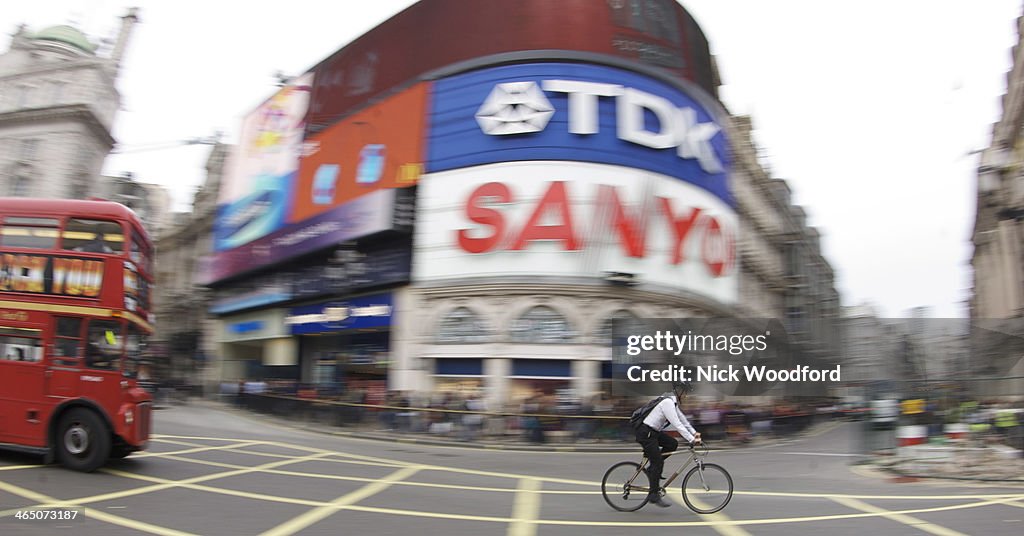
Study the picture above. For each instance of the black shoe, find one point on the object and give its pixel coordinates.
(659, 501)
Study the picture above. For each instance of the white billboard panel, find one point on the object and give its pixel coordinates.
(575, 219)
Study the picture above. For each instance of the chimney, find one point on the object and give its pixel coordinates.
(127, 22)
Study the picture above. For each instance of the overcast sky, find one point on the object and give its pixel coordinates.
(868, 108)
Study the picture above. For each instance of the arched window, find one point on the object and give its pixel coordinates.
(462, 325)
(603, 335)
(542, 324)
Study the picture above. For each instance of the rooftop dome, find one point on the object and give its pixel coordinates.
(66, 34)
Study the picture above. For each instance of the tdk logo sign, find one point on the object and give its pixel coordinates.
(523, 108)
(514, 108)
(578, 112)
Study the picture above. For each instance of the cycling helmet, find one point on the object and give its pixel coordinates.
(682, 387)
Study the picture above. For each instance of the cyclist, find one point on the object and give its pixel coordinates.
(656, 442)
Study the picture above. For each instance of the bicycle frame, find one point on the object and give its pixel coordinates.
(695, 457)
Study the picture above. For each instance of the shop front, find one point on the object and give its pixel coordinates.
(256, 346)
(344, 345)
(540, 377)
(459, 375)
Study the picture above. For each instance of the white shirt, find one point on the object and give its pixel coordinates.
(667, 412)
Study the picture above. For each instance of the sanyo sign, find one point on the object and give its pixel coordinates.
(570, 220)
(523, 108)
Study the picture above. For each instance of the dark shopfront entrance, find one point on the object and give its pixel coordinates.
(351, 365)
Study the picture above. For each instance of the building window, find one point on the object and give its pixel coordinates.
(795, 322)
(542, 324)
(628, 323)
(20, 186)
(80, 188)
(85, 158)
(792, 258)
(29, 149)
(460, 367)
(463, 326)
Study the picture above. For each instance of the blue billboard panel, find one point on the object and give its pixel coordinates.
(578, 112)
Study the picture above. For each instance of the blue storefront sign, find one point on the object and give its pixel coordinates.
(365, 312)
(246, 327)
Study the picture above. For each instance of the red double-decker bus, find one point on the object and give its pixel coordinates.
(75, 282)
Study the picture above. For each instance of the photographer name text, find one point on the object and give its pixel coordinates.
(714, 373)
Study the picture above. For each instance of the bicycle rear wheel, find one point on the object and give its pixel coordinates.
(624, 487)
(707, 488)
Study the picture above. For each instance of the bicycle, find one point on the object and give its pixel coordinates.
(706, 488)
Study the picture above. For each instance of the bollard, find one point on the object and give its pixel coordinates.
(957, 431)
(909, 436)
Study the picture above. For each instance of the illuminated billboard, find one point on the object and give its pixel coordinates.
(575, 219)
(379, 147)
(436, 34)
(581, 112)
(572, 170)
(288, 196)
(254, 198)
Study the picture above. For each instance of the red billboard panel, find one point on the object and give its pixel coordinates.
(433, 34)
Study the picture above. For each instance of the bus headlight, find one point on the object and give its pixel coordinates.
(129, 417)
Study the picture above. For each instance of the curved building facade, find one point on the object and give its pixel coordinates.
(445, 203)
(559, 194)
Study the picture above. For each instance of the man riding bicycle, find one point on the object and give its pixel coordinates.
(656, 443)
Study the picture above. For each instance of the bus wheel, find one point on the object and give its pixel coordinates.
(83, 442)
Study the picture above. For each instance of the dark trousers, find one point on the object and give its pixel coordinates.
(655, 445)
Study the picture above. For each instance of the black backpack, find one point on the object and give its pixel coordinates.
(641, 413)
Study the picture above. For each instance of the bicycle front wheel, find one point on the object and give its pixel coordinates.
(707, 488)
(625, 487)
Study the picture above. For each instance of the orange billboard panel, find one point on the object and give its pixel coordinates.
(377, 148)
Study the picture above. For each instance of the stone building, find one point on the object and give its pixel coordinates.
(58, 100)
(997, 300)
(783, 272)
(182, 337)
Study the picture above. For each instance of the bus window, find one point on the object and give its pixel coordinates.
(36, 233)
(20, 345)
(141, 254)
(135, 346)
(93, 236)
(136, 255)
(67, 345)
(105, 345)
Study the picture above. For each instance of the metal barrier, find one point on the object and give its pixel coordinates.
(493, 425)
(538, 427)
